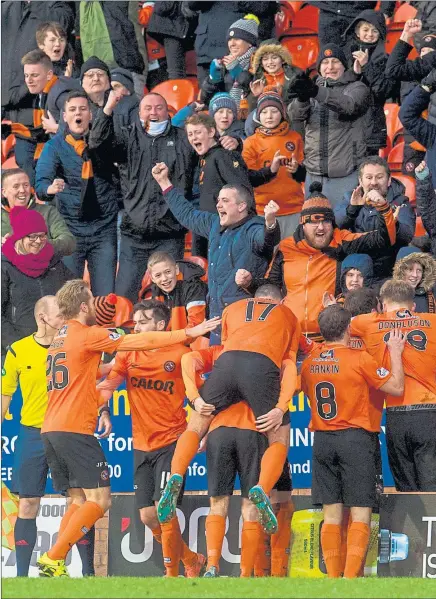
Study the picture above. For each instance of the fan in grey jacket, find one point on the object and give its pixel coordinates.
(354, 214)
(330, 115)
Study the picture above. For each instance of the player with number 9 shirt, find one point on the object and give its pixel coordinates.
(410, 418)
(337, 379)
(260, 337)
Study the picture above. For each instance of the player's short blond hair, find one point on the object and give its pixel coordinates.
(158, 257)
(70, 297)
(397, 292)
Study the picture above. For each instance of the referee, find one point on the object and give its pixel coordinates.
(25, 366)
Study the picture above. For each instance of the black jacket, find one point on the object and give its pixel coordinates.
(216, 18)
(219, 167)
(146, 212)
(352, 9)
(121, 32)
(167, 19)
(20, 21)
(20, 293)
(426, 204)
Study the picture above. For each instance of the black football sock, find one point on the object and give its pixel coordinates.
(25, 539)
(86, 552)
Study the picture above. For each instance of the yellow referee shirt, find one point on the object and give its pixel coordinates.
(25, 365)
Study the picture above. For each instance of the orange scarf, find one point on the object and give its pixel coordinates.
(89, 207)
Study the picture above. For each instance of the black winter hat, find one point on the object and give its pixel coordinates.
(94, 62)
(124, 77)
(331, 51)
(428, 41)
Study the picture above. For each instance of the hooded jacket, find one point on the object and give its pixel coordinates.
(63, 242)
(426, 291)
(258, 152)
(373, 75)
(272, 46)
(364, 218)
(426, 204)
(360, 262)
(334, 125)
(305, 273)
(187, 301)
(20, 294)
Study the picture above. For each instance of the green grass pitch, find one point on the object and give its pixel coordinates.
(232, 588)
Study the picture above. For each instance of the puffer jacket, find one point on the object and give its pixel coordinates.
(361, 219)
(373, 75)
(58, 94)
(426, 204)
(361, 262)
(247, 244)
(167, 19)
(334, 125)
(20, 294)
(146, 212)
(60, 160)
(305, 273)
(426, 291)
(59, 235)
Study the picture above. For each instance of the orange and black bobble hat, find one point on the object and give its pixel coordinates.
(105, 309)
(317, 207)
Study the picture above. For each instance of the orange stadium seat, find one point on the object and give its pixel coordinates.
(409, 183)
(393, 123)
(396, 25)
(419, 228)
(177, 92)
(395, 158)
(10, 163)
(283, 18)
(294, 5)
(303, 48)
(7, 145)
(154, 49)
(384, 152)
(306, 18)
(123, 311)
(146, 282)
(392, 37)
(403, 13)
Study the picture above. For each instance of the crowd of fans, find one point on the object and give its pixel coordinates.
(86, 133)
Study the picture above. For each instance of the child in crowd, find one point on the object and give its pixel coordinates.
(275, 135)
(52, 39)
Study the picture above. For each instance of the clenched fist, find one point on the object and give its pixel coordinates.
(270, 212)
(57, 186)
(160, 173)
(243, 278)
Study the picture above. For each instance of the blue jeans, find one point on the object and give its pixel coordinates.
(134, 256)
(100, 251)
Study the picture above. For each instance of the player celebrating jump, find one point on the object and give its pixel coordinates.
(74, 455)
(258, 335)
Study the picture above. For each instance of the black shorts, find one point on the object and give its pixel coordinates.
(75, 461)
(29, 475)
(344, 468)
(152, 470)
(411, 443)
(244, 376)
(233, 451)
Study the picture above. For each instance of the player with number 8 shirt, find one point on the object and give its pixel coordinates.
(410, 418)
(337, 380)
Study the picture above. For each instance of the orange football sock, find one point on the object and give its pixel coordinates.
(157, 534)
(346, 521)
(271, 466)
(331, 548)
(262, 563)
(357, 546)
(80, 522)
(250, 541)
(171, 547)
(281, 541)
(67, 517)
(215, 531)
(186, 448)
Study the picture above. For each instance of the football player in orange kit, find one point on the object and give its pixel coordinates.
(337, 378)
(234, 440)
(411, 418)
(74, 456)
(156, 396)
(259, 336)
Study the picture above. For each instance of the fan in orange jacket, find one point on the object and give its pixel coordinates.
(259, 149)
(307, 264)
